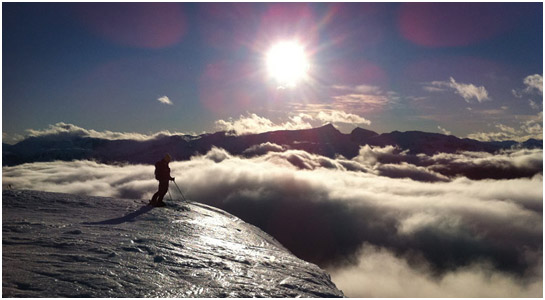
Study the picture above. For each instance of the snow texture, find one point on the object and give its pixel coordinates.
(62, 245)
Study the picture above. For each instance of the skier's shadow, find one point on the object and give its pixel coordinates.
(127, 218)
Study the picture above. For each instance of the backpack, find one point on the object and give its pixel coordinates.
(157, 170)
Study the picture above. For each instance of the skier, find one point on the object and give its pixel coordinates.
(162, 173)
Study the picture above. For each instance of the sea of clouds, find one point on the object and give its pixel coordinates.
(384, 224)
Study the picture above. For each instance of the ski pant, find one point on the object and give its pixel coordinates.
(163, 188)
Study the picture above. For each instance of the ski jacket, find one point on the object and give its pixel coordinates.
(162, 171)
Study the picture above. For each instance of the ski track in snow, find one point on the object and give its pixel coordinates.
(61, 245)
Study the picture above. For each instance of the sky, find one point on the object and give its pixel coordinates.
(467, 69)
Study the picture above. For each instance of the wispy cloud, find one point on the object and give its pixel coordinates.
(516, 93)
(531, 128)
(362, 88)
(362, 98)
(533, 104)
(467, 91)
(533, 85)
(433, 89)
(165, 100)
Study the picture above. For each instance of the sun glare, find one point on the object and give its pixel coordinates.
(287, 63)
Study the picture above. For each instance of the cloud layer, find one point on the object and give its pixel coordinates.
(364, 219)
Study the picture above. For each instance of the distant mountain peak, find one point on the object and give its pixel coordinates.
(360, 131)
(361, 136)
(328, 126)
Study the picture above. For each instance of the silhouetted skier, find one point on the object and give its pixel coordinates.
(162, 173)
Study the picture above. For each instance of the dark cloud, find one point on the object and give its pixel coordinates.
(430, 227)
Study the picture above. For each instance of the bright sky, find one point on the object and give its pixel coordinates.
(466, 69)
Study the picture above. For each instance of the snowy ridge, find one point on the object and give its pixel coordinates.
(62, 245)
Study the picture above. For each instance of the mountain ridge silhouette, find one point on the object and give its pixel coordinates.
(325, 140)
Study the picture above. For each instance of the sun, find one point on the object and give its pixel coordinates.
(287, 63)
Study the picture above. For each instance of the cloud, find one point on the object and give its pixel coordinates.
(444, 130)
(361, 98)
(11, 138)
(355, 217)
(529, 129)
(392, 162)
(364, 89)
(516, 93)
(216, 155)
(165, 100)
(533, 104)
(434, 89)
(305, 119)
(534, 82)
(482, 165)
(263, 148)
(533, 85)
(467, 91)
(381, 273)
(253, 123)
(66, 130)
(84, 178)
(491, 113)
(337, 116)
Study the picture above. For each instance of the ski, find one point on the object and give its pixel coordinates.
(176, 206)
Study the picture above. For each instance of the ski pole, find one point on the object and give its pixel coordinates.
(180, 191)
(170, 195)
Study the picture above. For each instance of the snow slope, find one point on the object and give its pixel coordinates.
(61, 245)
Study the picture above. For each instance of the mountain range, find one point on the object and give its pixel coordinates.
(325, 140)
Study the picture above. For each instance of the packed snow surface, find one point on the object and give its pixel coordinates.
(61, 245)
